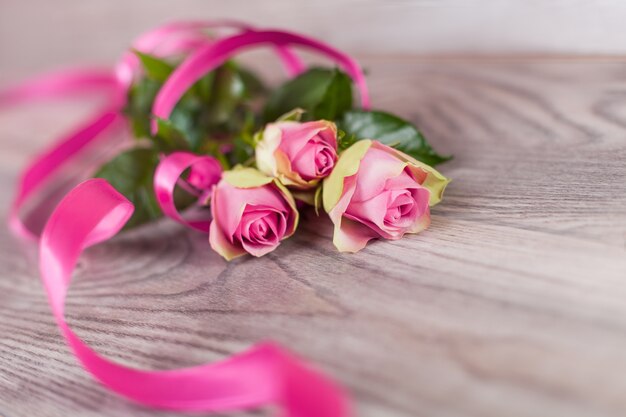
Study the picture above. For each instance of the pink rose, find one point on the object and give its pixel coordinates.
(252, 214)
(298, 154)
(379, 192)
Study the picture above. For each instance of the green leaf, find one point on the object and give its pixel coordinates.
(214, 110)
(244, 142)
(253, 84)
(131, 174)
(242, 151)
(390, 130)
(228, 92)
(322, 93)
(188, 118)
(344, 141)
(215, 149)
(337, 100)
(140, 98)
(169, 138)
(155, 68)
(203, 88)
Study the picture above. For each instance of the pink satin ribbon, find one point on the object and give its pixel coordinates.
(171, 39)
(93, 212)
(266, 374)
(205, 172)
(42, 167)
(167, 40)
(208, 58)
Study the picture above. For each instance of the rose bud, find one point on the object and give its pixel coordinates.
(298, 154)
(379, 192)
(252, 213)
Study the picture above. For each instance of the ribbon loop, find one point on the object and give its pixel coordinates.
(205, 172)
(171, 39)
(211, 56)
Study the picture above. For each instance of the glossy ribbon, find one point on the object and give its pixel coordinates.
(266, 374)
(42, 167)
(171, 39)
(93, 212)
(205, 172)
(186, 36)
(208, 58)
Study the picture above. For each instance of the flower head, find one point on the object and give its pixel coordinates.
(252, 213)
(379, 192)
(298, 154)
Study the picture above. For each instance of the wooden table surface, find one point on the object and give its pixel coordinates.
(513, 303)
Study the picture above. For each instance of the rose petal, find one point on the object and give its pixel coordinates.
(265, 149)
(281, 216)
(348, 236)
(304, 162)
(402, 182)
(230, 207)
(257, 246)
(325, 159)
(257, 249)
(401, 209)
(424, 174)
(221, 244)
(248, 219)
(421, 222)
(295, 136)
(347, 166)
(370, 212)
(329, 133)
(373, 212)
(376, 167)
(351, 236)
(337, 212)
(292, 215)
(308, 164)
(421, 196)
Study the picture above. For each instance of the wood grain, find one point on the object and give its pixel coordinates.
(511, 304)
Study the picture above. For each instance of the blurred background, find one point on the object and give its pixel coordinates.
(38, 34)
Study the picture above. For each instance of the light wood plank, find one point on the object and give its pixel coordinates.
(511, 304)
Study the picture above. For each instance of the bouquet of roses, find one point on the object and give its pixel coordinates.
(256, 156)
(219, 151)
